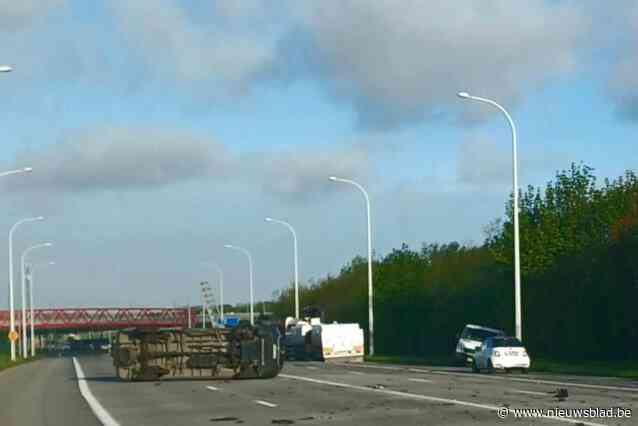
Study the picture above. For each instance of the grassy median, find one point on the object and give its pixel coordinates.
(622, 369)
(5, 356)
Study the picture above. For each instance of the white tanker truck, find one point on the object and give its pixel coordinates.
(310, 339)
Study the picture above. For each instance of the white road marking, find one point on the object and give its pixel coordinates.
(428, 398)
(102, 415)
(311, 368)
(421, 380)
(213, 388)
(267, 404)
(529, 392)
(359, 373)
(542, 381)
(516, 379)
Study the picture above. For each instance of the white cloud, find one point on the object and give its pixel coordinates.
(174, 45)
(302, 174)
(15, 15)
(484, 161)
(397, 61)
(119, 158)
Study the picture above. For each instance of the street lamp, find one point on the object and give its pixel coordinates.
(6, 68)
(370, 299)
(31, 268)
(26, 251)
(13, 172)
(221, 292)
(250, 271)
(12, 325)
(517, 260)
(296, 259)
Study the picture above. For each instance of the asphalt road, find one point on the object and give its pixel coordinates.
(306, 393)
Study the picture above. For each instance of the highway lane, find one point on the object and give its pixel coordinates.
(308, 393)
(43, 393)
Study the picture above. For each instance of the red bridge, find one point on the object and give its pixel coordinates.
(102, 318)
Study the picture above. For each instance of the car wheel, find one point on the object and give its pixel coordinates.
(507, 371)
(475, 368)
(524, 370)
(490, 367)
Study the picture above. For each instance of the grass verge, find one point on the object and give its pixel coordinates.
(622, 369)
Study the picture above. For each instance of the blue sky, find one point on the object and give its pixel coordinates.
(160, 131)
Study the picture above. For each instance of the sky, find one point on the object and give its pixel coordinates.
(161, 130)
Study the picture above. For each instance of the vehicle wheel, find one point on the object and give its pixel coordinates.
(507, 371)
(524, 370)
(490, 367)
(475, 368)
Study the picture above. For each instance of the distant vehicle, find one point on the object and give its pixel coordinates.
(470, 340)
(501, 353)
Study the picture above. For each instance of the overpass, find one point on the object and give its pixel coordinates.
(102, 318)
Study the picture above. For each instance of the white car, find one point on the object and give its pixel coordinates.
(470, 340)
(501, 353)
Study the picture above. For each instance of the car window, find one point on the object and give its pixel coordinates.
(478, 334)
(508, 342)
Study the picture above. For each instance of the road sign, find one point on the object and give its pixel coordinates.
(13, 336)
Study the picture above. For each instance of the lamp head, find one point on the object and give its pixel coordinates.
(463, 95)
(27, 169)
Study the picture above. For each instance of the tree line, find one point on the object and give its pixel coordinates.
(579, 245)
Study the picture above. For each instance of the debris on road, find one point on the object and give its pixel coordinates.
(223, 419)
(561, 393)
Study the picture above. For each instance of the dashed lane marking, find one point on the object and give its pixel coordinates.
(266, 404)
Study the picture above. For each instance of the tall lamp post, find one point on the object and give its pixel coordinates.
(517, 259)
(12, 321)
(31, 317)
(26, 251)
(370, 294)
(295, 259)
(250, 271)
(221, 291)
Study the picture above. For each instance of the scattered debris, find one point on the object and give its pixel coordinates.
(561, 393)
(223, 419)
(377, 386)
(307, 418)
(282, 422)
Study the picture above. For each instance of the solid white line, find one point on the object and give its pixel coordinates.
(428, 398)
(540, 381)
(311, 368)
(359, 373)
(421, 380)
(529, 392)
(213, 388)
(102, 415)
(516, 379)
(267, 404)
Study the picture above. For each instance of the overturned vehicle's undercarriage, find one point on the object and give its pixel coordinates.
(242, 352)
